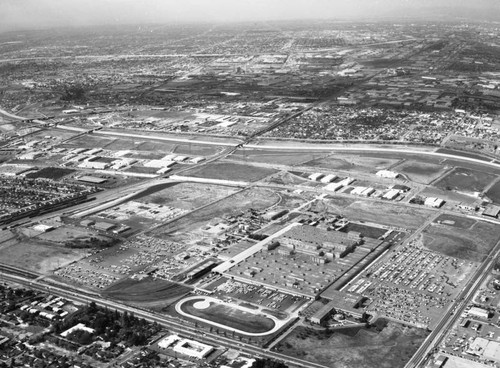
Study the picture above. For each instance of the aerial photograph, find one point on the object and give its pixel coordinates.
(250, 183)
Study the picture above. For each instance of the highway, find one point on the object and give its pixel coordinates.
(172, 324)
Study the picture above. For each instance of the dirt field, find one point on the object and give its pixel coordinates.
(466, 180)
(355, 347)
(188, 196)
(276, 157)
(494, 193)
(184, 228)
(469, 244)
(38, 257)
(146, 291)
(387, 214)
(353, 163)
(420, 172)
(448, 195)
(230, 171)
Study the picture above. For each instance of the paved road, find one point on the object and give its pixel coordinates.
(454, 311)
(174, 325)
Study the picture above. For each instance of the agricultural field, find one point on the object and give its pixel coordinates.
(39, 258)
(230, 171)
(466, 180)
(390, 345)
(387, 214)
(471, 244)
(420, 172)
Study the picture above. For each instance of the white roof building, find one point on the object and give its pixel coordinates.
(193, 348)
(387, 174)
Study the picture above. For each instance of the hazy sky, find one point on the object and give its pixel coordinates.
(27, 14)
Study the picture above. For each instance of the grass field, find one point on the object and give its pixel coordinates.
(230, 171)
(37, 257)
(466, 180)
(355, 347)
(469, 244)
(54, 173)
(420, 172)
(387, 214)
(494, 193)
(230, 317)
(196, 150)
(146, 291)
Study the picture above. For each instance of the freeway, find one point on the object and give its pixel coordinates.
(172, 324)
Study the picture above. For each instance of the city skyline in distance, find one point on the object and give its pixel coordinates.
(35, 14)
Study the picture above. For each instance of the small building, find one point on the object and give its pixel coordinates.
(434, 202)
(478, 312)
(333, 187)
(104, 226)
(315, 176)
(492, 211)
(43, 228)
(329, 178)
(193, 348)
(387, 174)
(391, 194)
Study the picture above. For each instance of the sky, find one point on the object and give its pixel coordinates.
(34, 14)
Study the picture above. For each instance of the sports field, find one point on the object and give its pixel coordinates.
(225, 315)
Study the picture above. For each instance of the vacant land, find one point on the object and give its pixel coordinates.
(230, 171)
(456, 221)
(75, 237)
(387, 214)
(146, 291)
(466, 180)
(353, 163)
(494, 193)
(420, 172)
(276, 157)
(39, 258)
(183, 228)
(358, 347)
(54, 173)
(365, 230)
(469, 244)
(188, 196)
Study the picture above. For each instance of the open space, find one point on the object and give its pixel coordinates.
(469, 244)
(388, 214)
(466, 180)
(211, 311)
(230, 171)
(359, 347)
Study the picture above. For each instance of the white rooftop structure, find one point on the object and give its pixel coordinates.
(193, 348)
(387, 174)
